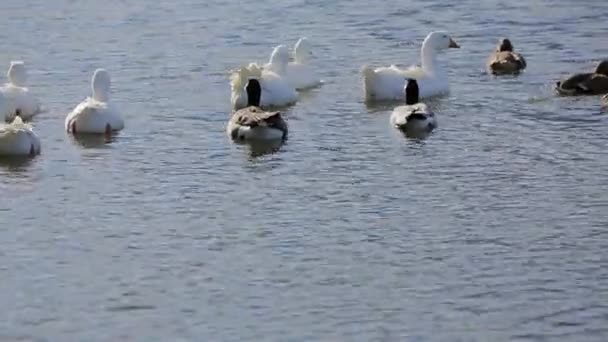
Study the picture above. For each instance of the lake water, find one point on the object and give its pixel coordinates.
(493, 229)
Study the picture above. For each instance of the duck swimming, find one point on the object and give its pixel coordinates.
(17, 92)
(254, 124)
(18, 139)
(595, 83)
(277, 91)
(387, 83)
(415, 118)
(301, 73)
(96, 114)
(504, 60)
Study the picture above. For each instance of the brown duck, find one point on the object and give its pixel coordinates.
(504, 60)
(593, 83)
(254, 124)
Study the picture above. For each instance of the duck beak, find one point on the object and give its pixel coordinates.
(453, 44)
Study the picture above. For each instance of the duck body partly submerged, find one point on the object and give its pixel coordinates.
(414, 118)
(387, 83)
(95, 115)
(595, 83)
(253, 123)
(18, 139)
(301, 73)
(19, 95)
(277, 92)
(506, 61)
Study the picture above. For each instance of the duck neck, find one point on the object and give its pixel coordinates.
(300, 58)
(429, 61)
(16, 75)
(277, 65)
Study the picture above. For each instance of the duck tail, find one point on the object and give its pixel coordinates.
(254, 71)
(17, 121)
(236, 79)
(368, 81)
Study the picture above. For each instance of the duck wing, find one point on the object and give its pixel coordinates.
(255, 116)
(574, 82)
(507, 61)
(596, 84)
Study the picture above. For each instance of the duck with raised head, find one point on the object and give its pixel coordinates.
(300, 73)
(272, 78)
(594, 83)
(414, 118)
(504, 60)
(387, 83)
(18, 139)
(96, 114)
(17, 92)
(254, 124)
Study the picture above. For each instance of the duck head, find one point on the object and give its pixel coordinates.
(17, 74)
(100, 85)
(505, 45)
(303, 50)
(439, 40)
(254, 92)
(602, 68)
(411, 92)
(279, 58)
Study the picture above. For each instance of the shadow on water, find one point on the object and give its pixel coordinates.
(16, 163)
(416, 137)
(435, 102)
(261, 148)
(94, 140)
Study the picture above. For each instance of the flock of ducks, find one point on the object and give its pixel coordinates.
(94, 115)
(256, 88)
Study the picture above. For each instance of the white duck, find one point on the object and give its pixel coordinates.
(300, 72)
(18, 139)
(386, 83)
(95, 114)
(253, 123)
(276, 91)
(16, 92)
(415, 118)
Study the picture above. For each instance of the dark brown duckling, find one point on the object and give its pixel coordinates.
(593, 83)
(504, 60)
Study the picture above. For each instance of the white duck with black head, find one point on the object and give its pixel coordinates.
(96, 114)
(277, 91)
(18, 94)
(301, 73)
(254, 124)
(414, 118)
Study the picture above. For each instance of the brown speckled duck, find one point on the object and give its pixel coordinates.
(593, 83)
(254, 124)
(504, 60)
